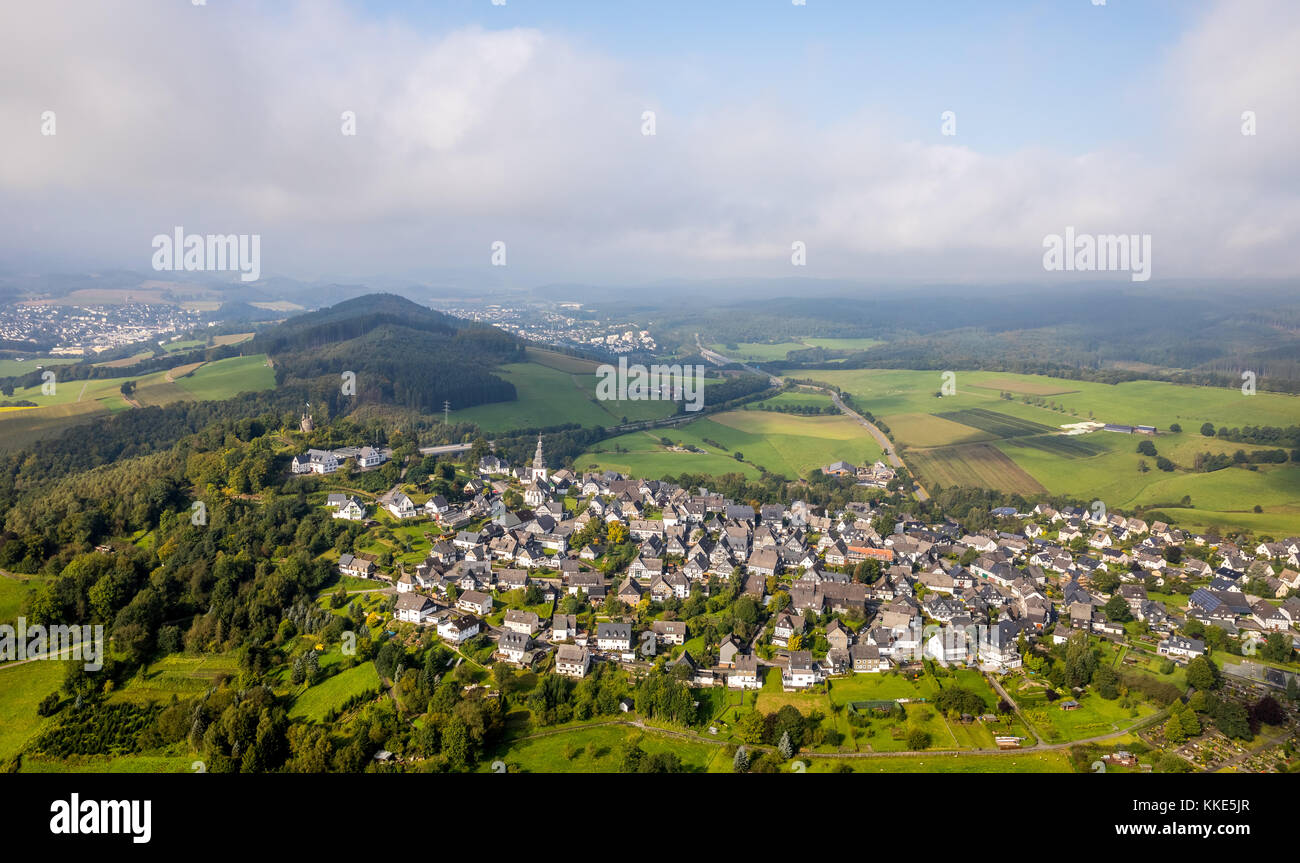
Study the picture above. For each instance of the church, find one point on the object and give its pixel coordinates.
(539, 484)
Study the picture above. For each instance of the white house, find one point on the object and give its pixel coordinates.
(401, 506)
(316, 461)
(1177, 645)
(802, 672)
(745, 676)
(413, 608)
(351, 509)
(457, 629)
(572, 661)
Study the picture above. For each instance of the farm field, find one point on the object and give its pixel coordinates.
(786, 444)
(796, 399)
(888, 391)
(1028, 761)
(975, 437)
(547, 396)
(79, 401)
(758, 351)
(979, 465)
(843, 344)
(11, 368)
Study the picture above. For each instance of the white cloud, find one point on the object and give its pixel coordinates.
(226, 118)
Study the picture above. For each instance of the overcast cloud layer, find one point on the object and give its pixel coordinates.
(226, 118)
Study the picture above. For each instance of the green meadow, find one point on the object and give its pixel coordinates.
(596, 749)
(548, 396)
(24, 687)
(13, 592)
(320, 699)
(786, 444)
(79, 401)
(758, 351)
(948, 440)
(843, 344)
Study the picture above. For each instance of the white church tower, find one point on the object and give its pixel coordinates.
(539, 464)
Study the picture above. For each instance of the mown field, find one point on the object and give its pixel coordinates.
(23, 687)
(549, 396)
(977, 437)
(758, 351)
(79, 401)
(595, 749)
(318, 700)
(9, 368)
(13, 591)
(843, 344)
(787, 444)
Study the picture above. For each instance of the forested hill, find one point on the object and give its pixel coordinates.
(401, 353)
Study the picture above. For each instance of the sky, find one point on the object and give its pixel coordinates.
(777, 128)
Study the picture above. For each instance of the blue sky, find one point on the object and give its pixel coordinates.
(1062, 74)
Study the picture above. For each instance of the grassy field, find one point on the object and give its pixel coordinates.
(1018, 762)
(843, 344)
(758, 351)
(548, 396)
(786, 444)
(21, 689)
(1095, 715)
(11, 368)
(78, 401)
(113, 764)
(13, 591)
(976, 437)
(595, 749)
(181, 674)
(317, 701)
(979, 465)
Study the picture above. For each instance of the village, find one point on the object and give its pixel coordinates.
(839, 594)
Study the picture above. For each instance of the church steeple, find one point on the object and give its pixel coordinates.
(539, 463)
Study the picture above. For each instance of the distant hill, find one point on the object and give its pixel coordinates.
(402, 353)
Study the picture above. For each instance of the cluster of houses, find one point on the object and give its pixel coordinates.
(801, 563)
(877, 475)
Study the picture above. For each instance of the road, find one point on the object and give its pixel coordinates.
(884, 442)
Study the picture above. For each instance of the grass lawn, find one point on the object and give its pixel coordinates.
(1095, 715)
(21, 688)
(1019, 762)
(596, 749)
(317, 701)
(113, 764)
(13, 592)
